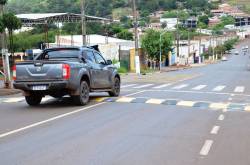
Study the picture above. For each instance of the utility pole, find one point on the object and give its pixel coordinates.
(83, 2)
(189, 51)
(137, 58)
(178, 34)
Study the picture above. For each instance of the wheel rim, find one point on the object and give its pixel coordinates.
(84, 93)
(117, 86)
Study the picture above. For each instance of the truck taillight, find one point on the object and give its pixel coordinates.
(14, 72)
(66, 71)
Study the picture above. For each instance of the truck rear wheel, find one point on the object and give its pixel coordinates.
(83, 98)
(33, 100)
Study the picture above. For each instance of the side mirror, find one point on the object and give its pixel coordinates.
(109, 62)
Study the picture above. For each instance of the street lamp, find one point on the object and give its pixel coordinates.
(160, 46)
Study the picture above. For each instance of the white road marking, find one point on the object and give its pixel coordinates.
(206, 147)
(126, 86)
(200, 87)
(186, 103)
(155, 101)
(221, 117)
(56, 118)
(47, 98)
(230, 99)
(13, 100)
(215, 130)
(143, 86)
(162, 86)
(219, 88)
(239, 89)
(48, 120)
(180, 86)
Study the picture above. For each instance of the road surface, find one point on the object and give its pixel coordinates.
(199, 121)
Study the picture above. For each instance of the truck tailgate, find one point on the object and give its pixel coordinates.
(39, 71)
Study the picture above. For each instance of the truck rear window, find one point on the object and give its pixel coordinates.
(64, 53)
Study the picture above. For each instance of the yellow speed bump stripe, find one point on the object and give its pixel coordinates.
(155, 101)
(13, 100)
(100, 99)
(218, 106)
(247, 108)
(125, 100)
(186, 103)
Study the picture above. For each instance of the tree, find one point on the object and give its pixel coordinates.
(125, 34)
(203, 19)
(11, 22)
(1, 25)
(3, 2)
(151, 43)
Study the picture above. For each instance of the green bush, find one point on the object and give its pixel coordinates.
(122, 70)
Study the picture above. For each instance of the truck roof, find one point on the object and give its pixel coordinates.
(94, 47)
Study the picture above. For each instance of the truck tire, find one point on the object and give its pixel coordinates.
(33, 100)
(83, 98)
(116, 88)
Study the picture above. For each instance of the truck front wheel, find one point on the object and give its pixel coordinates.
(33, 100)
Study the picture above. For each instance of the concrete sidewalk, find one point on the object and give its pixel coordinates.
(6, 92)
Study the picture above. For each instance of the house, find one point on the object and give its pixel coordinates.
(190, 22)
(155, 26)
(214, 21)
(170, 23)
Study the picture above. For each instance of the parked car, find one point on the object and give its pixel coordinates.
(74, 71)
(224, 58)
(236, 52)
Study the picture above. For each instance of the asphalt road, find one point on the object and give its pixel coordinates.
(198, 121)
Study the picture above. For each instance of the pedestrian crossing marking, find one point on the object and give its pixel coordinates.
(143, 86)
(155, 101)
(162, 86)
(186, 103)
(239, 89)
(219, 88)
(199, 87)
(180, 86)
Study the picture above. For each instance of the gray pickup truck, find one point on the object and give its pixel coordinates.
(74, 71)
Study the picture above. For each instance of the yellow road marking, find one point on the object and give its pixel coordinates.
(218, 106)
(100, 99)
(247, 108)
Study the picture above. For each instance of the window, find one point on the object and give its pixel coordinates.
(59, 53)
(89, 56)
(99, 59)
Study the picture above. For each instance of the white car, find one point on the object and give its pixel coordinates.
(224, 58)
(236, 52)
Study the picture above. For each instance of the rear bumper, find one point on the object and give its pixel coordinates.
(51, 86)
